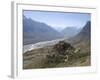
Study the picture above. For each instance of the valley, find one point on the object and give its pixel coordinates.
(45, 47)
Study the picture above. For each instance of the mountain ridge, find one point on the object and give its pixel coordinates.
(34, 31)
(71, 31)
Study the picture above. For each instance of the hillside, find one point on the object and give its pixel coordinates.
(83, 35)
(69, 32)
(83, 38)
(73, 52)
(34, 31)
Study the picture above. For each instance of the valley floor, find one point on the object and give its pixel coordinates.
(38, 58)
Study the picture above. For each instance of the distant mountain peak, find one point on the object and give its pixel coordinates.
(86, 30)
(84, 34)
(70, 31)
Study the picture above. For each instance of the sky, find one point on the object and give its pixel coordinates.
(59, 20)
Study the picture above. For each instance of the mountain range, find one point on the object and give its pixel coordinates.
(69, 32)
(48, 54)
(84, 34)
(34, 31)
(83, 39)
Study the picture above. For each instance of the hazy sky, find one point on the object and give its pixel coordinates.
(59, 20)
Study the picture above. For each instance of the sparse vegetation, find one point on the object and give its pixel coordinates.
(62, 54)
(62, 50)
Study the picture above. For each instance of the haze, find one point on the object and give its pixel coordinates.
(59, 20)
